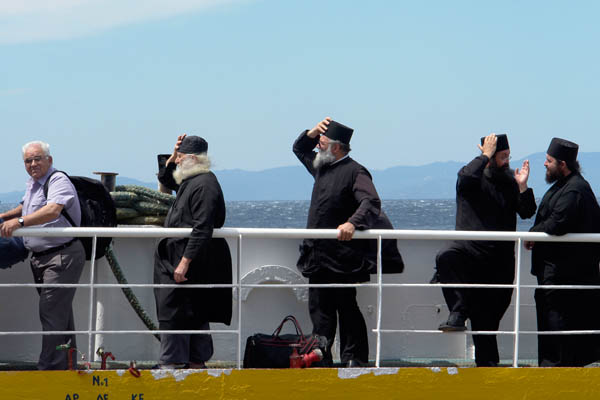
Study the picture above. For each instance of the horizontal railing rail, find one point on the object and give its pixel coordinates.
(285, 233)
(280, 233)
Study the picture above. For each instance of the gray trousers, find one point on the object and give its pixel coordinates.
(183, 349)
(55, 307)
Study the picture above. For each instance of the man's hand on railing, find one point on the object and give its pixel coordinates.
(345, 231)
(8, 227)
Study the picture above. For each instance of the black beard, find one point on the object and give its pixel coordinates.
(552, 177)
(499, 173)
(494, 166)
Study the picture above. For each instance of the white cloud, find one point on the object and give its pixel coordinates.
(39, 20)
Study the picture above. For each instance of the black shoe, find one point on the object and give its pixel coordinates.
(456, 323)
(324, 363)
(486, 364)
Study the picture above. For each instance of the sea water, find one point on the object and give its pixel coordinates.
(404, 214)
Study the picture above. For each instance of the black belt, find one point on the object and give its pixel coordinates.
(53, 249)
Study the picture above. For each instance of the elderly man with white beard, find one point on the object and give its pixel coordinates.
(343, 198)
(199, 259)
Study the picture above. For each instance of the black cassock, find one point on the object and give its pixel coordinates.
(343, 192)
(199, 205)
(569, 206)
(486, 200)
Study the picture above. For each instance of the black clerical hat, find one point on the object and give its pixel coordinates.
(501, 144)
(193, 145)
(337, 131)
(562, 149)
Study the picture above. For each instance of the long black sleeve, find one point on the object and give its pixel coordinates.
(303, 149)
(203, 203)
(369, 207)
(526, 204)
(165, 177)
(470, 175)
(563, 218)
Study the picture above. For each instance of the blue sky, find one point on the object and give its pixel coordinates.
(110, 84)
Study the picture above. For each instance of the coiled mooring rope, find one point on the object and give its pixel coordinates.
(137, 205)
(131, 297)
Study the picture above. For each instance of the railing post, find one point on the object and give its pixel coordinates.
(379, 301)
(517, 303)
(239, 297)
(92, 296)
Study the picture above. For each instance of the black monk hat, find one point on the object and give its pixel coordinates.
(562, 149)
(337, 131)
(501, 144)
(193, 145)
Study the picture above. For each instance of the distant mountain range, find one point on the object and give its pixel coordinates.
(432, 181)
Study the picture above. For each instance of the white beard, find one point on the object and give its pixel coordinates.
(324, 157)
(189, 167)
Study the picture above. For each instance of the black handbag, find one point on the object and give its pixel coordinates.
(274, 351)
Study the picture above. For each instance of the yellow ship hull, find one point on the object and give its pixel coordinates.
(367, 383)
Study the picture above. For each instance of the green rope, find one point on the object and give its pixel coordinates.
(168, 199)
(137, 205)
(131, 297)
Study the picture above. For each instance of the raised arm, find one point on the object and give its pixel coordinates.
(165, 176)
(307, 141)
(526, 202)
(470, 174)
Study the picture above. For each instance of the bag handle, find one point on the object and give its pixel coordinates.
(296, 325)
(63, 211)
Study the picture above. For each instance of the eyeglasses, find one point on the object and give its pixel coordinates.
(505, 158)
(36, 159)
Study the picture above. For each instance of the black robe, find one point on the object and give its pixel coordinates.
(487, 201)
(199, 205)
(343, 192)
(569, 206)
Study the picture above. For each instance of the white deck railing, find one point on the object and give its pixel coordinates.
(268, 233)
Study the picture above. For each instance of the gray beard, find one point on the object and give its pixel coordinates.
(191, 167)
(324, 157)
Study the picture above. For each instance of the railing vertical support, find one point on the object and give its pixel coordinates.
(517, 302)
(90, 355)
(379, 301)
(239, 298)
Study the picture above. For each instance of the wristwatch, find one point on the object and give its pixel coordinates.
(21, 221)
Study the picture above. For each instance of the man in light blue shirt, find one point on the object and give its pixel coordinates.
(53, 259)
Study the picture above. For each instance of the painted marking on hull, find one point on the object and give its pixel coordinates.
(352, 373)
